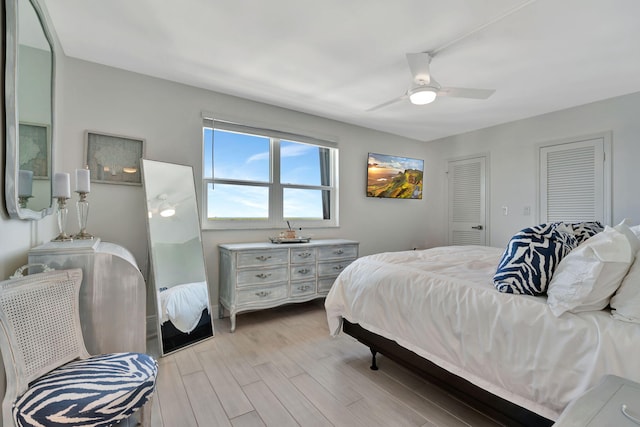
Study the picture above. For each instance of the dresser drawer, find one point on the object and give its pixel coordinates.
(262, 295)
(262, 258)
(332, 268)
(337, 252)
(303, 272)
(300, 289)
(255, 276)
(324, 285)
(303, 255)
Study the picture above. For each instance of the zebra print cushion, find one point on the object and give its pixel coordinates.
(531, 257)
(584, 230)
(98, 391)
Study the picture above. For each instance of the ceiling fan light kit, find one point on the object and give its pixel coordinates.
(422, 95)
(425, 89)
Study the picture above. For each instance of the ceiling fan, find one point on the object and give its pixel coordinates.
(424, 89)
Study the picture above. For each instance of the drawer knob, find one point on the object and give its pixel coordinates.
(263, 294)
(304, 271)
(304, 254)
(338, 267)
(339, 252)
(263, 258)
(303, 287)
(262, 275)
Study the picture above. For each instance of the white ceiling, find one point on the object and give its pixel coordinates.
(337, 58)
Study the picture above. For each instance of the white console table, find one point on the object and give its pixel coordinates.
(112, 294)
(263, 275)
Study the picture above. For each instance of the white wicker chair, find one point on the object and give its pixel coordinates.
(51, 379)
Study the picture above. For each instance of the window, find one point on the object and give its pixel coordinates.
(260, 178)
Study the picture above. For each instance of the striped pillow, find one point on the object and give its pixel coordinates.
(98, 391)
(586, 229)
(531, 257)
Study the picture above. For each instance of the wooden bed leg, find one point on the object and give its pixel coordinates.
(374, 366)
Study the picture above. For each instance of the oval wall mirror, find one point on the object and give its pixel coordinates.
(29, 100)
(177, 260)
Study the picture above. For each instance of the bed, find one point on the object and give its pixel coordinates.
(438, 311)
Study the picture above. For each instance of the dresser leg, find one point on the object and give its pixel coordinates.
(233, 322)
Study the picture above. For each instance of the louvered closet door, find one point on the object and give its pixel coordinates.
(572, 181)
(467, 201)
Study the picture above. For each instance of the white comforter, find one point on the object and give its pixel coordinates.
(440, 303)
(183, 304)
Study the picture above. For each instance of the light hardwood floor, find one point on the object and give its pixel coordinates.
(281, 368)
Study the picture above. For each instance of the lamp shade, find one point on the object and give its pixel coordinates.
(422, 95)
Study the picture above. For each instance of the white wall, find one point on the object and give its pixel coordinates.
(512, 148)
(168, 116)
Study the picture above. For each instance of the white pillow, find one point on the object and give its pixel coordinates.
(625, 303)
(587, 277)
(636, 230)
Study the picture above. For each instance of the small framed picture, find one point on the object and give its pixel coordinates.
(114, 159)
(35, 149)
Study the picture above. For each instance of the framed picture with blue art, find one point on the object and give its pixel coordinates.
(34, 149)
(394, 177)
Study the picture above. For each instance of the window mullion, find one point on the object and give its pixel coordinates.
(275, 190)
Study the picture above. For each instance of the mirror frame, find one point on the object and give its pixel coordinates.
(146, 165)
(12, 138)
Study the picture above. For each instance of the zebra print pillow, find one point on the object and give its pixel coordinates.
(98, 391)
(531, 257)
(584, 230)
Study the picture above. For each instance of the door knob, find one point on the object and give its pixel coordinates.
(477, 227)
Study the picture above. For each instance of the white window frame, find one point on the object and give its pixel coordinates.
(276, 218)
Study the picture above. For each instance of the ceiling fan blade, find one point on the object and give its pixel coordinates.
(463, 92)
(419, 66)
(385, 104)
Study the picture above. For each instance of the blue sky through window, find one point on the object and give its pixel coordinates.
(244, 157)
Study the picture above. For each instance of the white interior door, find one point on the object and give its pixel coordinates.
(467, 201)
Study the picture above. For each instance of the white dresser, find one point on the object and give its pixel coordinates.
(112, 294)
(263, 275)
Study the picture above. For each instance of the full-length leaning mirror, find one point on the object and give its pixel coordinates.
(29, 100)
(177, 259)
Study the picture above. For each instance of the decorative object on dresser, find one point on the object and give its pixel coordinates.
(256, 276)
(51, 379)
(83, 185)
(180, 287)
(62, 192)
(112, 295)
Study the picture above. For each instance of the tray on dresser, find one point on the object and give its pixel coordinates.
(289, 240)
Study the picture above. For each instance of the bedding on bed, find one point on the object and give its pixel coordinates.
(441, 304)
(183, 304)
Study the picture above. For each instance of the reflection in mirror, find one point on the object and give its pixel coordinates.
(29, 85)
(177, 258)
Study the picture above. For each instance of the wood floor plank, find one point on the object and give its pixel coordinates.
(305, 413)
(332, 408)
(392, 404)
(187, 361)
(174, 401)
(267, 405)
(229, 392)
(204, 401)
(250, 419)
